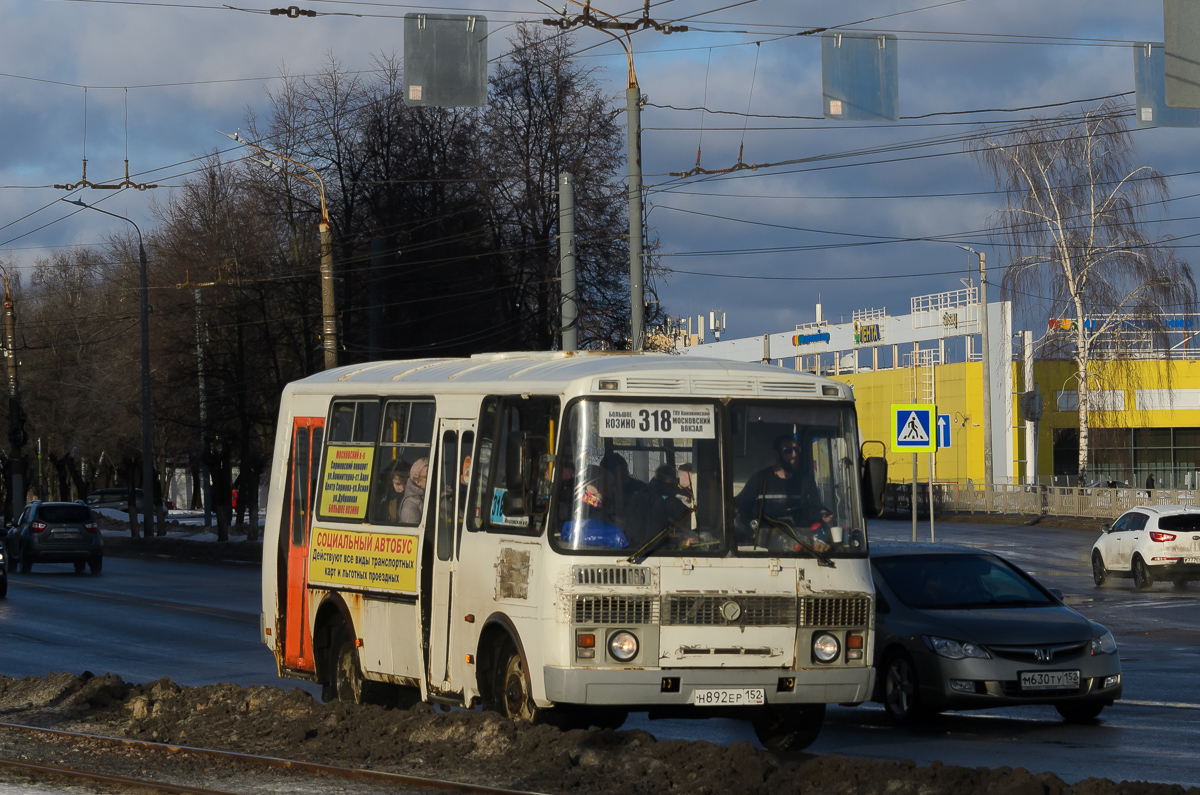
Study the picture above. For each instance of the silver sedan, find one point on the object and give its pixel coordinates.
(960, 628)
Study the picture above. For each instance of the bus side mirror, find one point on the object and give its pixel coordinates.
(874, 483)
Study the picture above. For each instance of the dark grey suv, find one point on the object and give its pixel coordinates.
(56, 532)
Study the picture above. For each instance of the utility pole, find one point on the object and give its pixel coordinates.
(637, 287)
(633, 107)
(148, 507)
(329, 329)
(566, 256)
(205, 488)
(16, 416)
(987, 367)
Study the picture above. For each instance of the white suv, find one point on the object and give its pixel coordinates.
(1148, 543)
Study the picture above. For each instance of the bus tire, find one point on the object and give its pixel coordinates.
(349, 684)
(788, 727)
(513, 695)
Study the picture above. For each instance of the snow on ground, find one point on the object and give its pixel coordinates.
(180, 524)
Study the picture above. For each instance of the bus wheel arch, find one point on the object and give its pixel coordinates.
(332, 625)
(503, 673)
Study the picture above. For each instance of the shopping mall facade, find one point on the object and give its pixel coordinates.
(1144, 395)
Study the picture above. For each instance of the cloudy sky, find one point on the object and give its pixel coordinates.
(832, 210)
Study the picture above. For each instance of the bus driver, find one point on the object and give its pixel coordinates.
(779, 499)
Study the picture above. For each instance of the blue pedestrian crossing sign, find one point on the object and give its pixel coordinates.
(913, 429)
(943, 431)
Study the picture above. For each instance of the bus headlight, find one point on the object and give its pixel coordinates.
(623, 646)
(825, 648)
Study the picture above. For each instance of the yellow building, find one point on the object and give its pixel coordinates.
(1144, 416)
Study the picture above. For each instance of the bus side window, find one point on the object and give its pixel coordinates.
(499, 420)
(481, 475)
(405, 433)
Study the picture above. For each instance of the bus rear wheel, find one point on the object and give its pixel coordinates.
(347, 676)
(349, 684)
(788, 728)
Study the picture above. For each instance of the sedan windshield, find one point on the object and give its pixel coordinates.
(958, 581)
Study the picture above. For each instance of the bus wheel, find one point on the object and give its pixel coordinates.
(514, 694)
(347, 675)
(351, 686)
(788, 728)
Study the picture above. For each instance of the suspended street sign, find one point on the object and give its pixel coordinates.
(1181, 26)
(1149, 73)
(859, 77)
(445, 60)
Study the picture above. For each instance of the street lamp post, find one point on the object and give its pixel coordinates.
(148, 506)
(328, 298)
(987, 369)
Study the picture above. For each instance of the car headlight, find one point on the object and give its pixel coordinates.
(956, 650)
(1105, 644)
(826, 648)
(623, 646)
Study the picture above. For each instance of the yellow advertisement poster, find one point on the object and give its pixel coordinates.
(347, 483)
(363, 560)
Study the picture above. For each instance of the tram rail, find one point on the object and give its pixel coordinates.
(401, 780)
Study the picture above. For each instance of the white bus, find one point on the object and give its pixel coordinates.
(571, 536)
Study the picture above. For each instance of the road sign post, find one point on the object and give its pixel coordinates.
(943, 431)
(913, 431)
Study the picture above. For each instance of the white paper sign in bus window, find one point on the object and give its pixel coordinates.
(656, 420)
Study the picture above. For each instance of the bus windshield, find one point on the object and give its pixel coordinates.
(651, 478)
(795, 479)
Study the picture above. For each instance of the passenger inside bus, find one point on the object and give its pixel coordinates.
(623, 486)
(414, 493)
(387, 508)
(664, 506)
(593, 524)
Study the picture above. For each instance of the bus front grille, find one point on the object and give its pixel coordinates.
(723, 610)
(834, 611)
(616, 610)
(611, 575)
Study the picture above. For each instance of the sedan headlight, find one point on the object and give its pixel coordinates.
(1105, 644)
(623, 646)
(956, 650)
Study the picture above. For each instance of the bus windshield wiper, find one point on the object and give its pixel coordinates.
(791, 532)
(646, 548)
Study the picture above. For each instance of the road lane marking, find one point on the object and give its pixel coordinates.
(1129, 702)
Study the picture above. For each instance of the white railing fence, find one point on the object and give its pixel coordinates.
(1100, 503)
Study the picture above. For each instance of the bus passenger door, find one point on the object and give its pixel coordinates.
(303, 470)
(447, 506)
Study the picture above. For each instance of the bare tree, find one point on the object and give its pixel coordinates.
(1076, 228)
(547, 114)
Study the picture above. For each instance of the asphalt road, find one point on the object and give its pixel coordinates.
(198, 623)
(1150, 735)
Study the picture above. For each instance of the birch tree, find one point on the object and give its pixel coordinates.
(1076, 227)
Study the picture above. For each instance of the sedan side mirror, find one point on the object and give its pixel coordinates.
(1056, 593)
(1106, 528)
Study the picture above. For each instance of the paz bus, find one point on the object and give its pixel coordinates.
(571, 536)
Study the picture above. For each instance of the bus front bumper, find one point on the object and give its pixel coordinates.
(638, 687)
